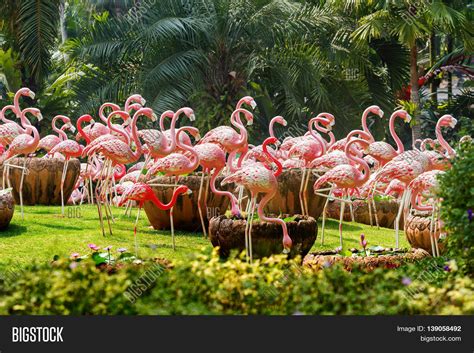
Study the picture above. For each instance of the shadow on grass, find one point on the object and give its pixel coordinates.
(13, 230)
(59, 226)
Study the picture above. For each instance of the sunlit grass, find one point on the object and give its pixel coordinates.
(45, 233)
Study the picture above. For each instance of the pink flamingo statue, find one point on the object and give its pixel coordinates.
(48, 142)
(346, 176)
(259, 178)
(24, 144)
(141, 193)
(69, 149)
(176, 164)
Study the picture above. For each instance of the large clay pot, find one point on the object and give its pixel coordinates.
(386, 212)
(287, 200)
(42, 184)
(417, 231)
(185, 211)
(229, 234)
(7, 207)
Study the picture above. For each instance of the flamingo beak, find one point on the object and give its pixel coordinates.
(332, 123)
(408, 118)
(192, 117)
(197, 137)
(142, 101)
(92, 121)
(188, 192)
(72, 128)
(40, 117)
(250, 122)
(31, 94)
(284, 122)
(154, 117)
(381, 113)
(453, 123)
(253, 104)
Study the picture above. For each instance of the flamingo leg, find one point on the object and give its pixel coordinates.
(135, 230)
(303, 172)
(324, 214)
(375, 213)
(369, 205)
(436, 218)
(247, 227)
(305, 192)
(203, 224)
(397, 219)
(63, 178)
(254, 204)
(341, 217)
(91, 194)
(23, 172)
(351, 209)
(172, 221)
(432, 234)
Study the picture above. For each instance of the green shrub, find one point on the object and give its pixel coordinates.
(457, 208)
(207, 285)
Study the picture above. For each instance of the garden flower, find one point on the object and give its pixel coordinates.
(406, 281)
(75, 255)
(469, 214)
(93, 247)
(73, 265)
(338, 249)
(108, 248)
(121, 250)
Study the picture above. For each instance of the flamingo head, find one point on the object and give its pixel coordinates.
(448, 121)
(401, 113)
(280, 120)
(329, 117)
(25, 91)
(188, 112)
(247, 100)
(248, 116)
(36, 113)
(136, 98)
(375, 109)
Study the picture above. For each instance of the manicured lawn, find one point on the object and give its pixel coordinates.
(44, 233)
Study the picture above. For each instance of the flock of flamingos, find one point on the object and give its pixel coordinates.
(355, 166)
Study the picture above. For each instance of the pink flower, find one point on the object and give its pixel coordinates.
(108, 248)
(75, 255)
(120, 250)
(93, 247)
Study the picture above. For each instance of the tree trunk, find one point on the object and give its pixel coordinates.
(415, 94)
(449, 39)
(434, 82)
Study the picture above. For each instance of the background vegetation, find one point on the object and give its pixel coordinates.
(296, 58)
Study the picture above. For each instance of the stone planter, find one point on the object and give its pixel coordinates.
(42, 184)
(7, 208)
(417, 231)
(185, 212)
(229, 234)
(318, 261)
(386, 212)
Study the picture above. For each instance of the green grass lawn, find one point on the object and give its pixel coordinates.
(45, 233)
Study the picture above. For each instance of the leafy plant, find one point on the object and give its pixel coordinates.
(457, 194)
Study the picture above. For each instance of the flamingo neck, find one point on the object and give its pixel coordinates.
(263, 218)
(4, 110)
(81, 131)
(194, 161)
(113, 106)
(400, 148)
(113, 128)
(16, 103)
(360, 161)
(62, 135)
(273, 159)
(235, 120)
(365, 115)
(167, 206)
(30, 128)
(233, 200)
(170, 143)
(442, 141)
(322, 142)
(230, 161)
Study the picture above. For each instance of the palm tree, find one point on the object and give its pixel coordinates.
(409, 22)
(295, 58)
(30, 28)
